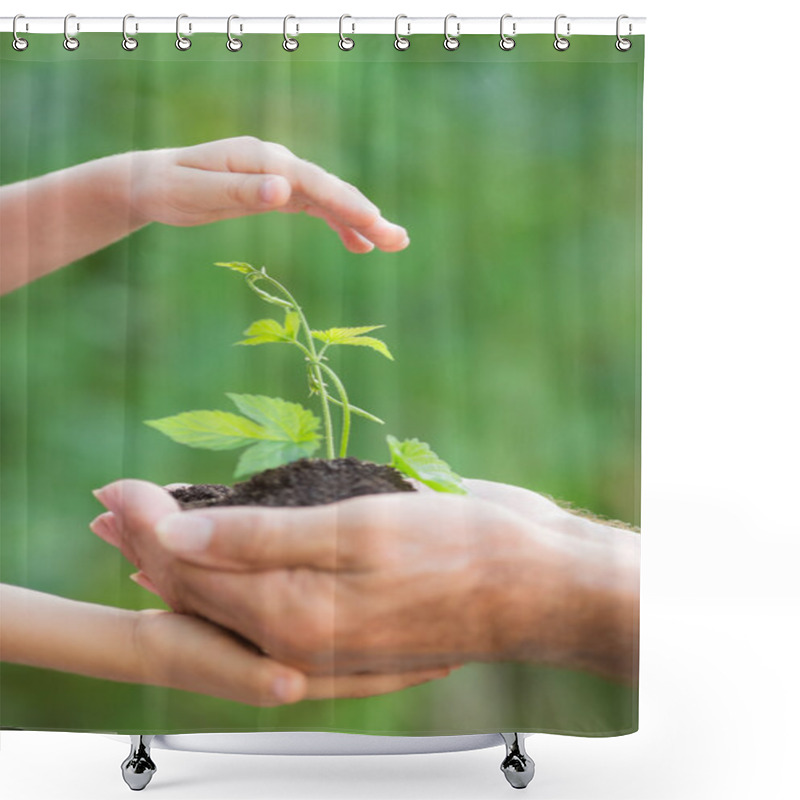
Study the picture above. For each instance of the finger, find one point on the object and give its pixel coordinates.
(236, 154)
(377, 231)
(385, 235)
(248, 538)
(249, 155)
(140, 579)
(137, 506)
(188, 653)
(419, 486)
(368, 685)
(320, 193)
(351, 239)
(515, 498)
(105, 527)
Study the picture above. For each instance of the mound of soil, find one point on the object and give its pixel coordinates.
(307, 482)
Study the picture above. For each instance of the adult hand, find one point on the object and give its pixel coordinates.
(244, 175)
(380, 583)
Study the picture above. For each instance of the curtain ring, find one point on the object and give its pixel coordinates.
(506, 42)
(623, 44)
(19, 43)
(233, 44)
(345, 42)
(400, 42)
(181, 42)
(128, 42)
(70, 42)
(451, 42)
(290, 44)
(560, 43)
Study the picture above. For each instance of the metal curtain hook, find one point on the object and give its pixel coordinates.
(506, 42)
(400, 42)
(623, 44)
(290, 44)
(70, 42)
(451, 42)
(19, 43)
(233, 44)
(560, 43)
(345, 42)
(128, 42)
(181, 42)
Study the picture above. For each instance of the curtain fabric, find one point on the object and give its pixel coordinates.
(513, 317)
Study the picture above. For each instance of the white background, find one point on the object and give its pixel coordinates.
(720, 605)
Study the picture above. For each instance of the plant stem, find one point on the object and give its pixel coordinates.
(316, 367)
(345, 409)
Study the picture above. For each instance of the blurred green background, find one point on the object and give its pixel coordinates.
(513, 317)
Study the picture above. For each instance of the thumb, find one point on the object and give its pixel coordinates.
(252, 539)
(261, 192)
(241, 192)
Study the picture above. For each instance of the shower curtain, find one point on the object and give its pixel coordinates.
(512, 317)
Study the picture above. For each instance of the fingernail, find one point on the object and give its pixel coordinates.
(400, 231)
(105, 526)
(104, 494)
(406, 241)
(184, 532)
(268, 193)
(284, 689)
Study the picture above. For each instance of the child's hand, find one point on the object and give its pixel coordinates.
(188, 653)
(243, 175)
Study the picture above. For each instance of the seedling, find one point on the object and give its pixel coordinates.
(276, 431)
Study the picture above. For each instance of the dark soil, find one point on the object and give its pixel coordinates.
(307, 482)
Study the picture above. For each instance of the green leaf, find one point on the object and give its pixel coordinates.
(354, 336)
(417, 460)
(236, 266)
(266, 330)
(211, 430)
(266, 296)
(279, 420)
(268, 455)
(292, 323)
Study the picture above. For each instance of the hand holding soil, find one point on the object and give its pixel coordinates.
(392, 582)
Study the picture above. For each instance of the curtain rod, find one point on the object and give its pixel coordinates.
(298, 25)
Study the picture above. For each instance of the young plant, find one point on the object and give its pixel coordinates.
(275, 431)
